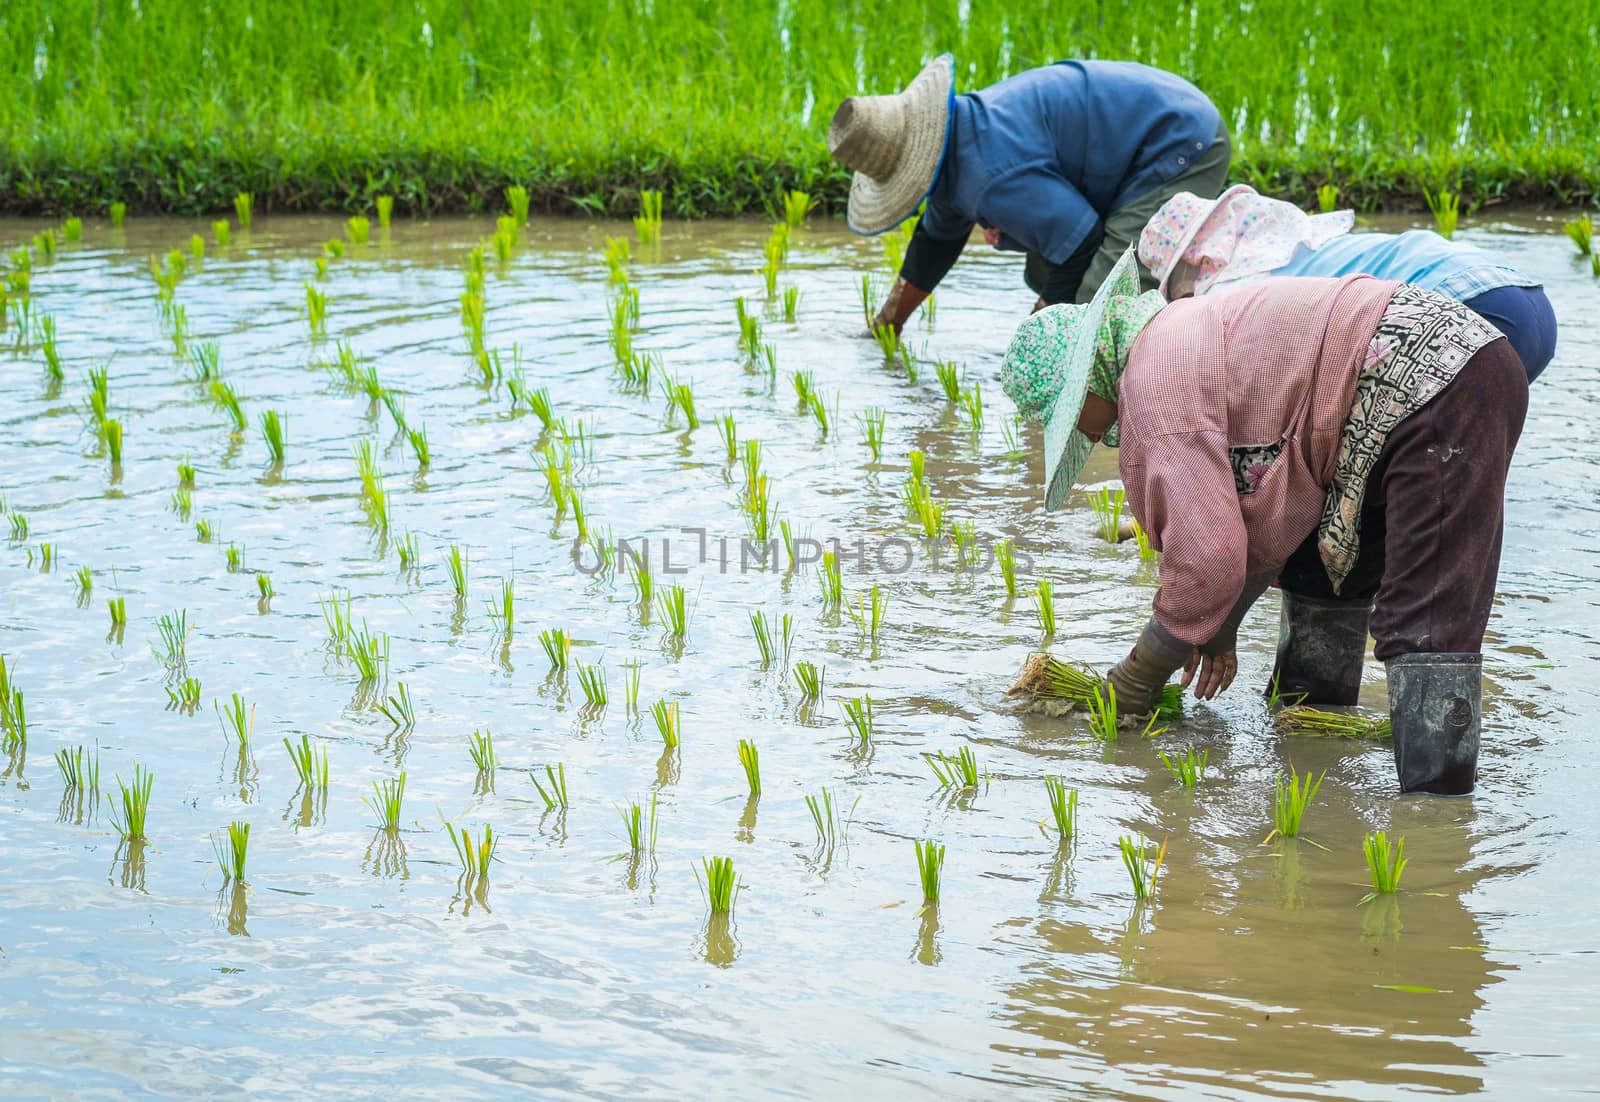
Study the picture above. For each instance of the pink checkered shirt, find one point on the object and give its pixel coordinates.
(1269, 361)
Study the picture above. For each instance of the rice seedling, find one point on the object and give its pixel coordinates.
(243, 204)
(772, 260)
(960, 772)
(791, 303)
(385, 205)
(872, 419)
(237, 720)
(369, 651)
(1102, 709)
(1189, 769)
(1141, 870)
(796, 205)
(672, 604)
(719, 884)
(888, 340)
(19, 527)
(643, 580)
(819, 412)
(235, 557)
(772, 647)
(16, 721)
(232, 851)
(647, 224)
(759, 509)
(1063, 809)
(972, 403)
(665, 713)
(1044, 603)
(457, 563)
(45, 242)
(831, 580)
(1302, 719)
(205, 531)
(184, 695)
(868, 612)
(197, 247)
(79, 773)
(1594, 264)
(750, 761)
(557, 647)
(1107, 505)
(409, 548)
(517, 200)
(504, 242)
(929, 512)
(112, 432)
(1141, 539)
(419, 446)
(474, 856)
(206, 360)
(172, 638)
(1327, 198)
(1581, 233)
(310, 763)
(99, 400)
(336, 616)
(131, 810)
(333, 247)
(631, 687)
(641, 831)
(480, 746)
(46, 555)
(805, 388)
(386, 802)
(1384, 863)
(398, 709)
(809, 676)
(317, 311)
(320, 266)
(357, 229)
(119, 612)
(749, 328)
(220, 233)
(830, 823)
(1005, 557)
(949, 380)
(264, 587)
(680, 396)
(47, 346)
(964, 534)
(930, 867)
(118, 211)
(858, 717)
(728, 430)
(84, 579)
(1446, 208)
(72, 229)
(618, 254)
(503, 611)
(223, 396)
(1290, 798)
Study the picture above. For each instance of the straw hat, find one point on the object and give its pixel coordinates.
(1046, 373)
(895, 145)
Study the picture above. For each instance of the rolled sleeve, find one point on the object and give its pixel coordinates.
(1183, 494)
(1039, 209)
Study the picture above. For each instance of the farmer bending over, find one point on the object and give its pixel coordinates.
(1194, 245)
(1354, 431)
(1065, 163)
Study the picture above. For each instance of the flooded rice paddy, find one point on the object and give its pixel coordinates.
(357, 956)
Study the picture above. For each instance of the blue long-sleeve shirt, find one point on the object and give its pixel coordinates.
(1046, 155)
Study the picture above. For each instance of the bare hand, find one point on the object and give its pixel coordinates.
(992, 236)
(1216, 673)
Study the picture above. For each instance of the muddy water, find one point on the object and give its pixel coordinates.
(352, 959)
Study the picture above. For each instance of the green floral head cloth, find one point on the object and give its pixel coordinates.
(1061, 353)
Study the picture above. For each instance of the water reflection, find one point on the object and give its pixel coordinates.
(128, 865)
(386, 856)
(718, 942)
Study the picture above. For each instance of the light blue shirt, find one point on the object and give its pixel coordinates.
(1419, 257)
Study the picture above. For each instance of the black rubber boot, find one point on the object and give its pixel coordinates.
(1434, 702)
(1320, 648)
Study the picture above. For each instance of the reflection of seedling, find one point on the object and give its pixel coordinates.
(809, 677)
(1290, 799)
(750, 760)
(310, 763)
(555, 797)
(720, 883)
(1141, 870)
(1107, 505)
(1063, 809)
(1044, 603)
(185, 695)
(128, 814)
(858, 717)
(666, 717)
(960, 772)
(1384, 864)
(232, 851)
(1187, 770)
(930, 867)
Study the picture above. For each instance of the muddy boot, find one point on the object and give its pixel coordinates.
(1433, 708)
(1320, 648)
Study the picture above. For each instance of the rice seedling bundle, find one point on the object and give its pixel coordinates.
(641, 832)
(197, 247)
(680, 396)
(206, 360)
(648, 221)
(243, 207)
(750, 761)
(1188, 769)
(118, 211)
(1005, 557)
(1581, 232)
(1594, 263)
(772, 263)
(1327, 198)
(79, 773)
(409, 548)
(831, 580)
(385, 205)
(185, 695)
(19, 527)
(819, 412)
(555, 796)
(888, 340)
(592, 679)
(1044, 675)
(316, 311)
(172, 638)
(272, 429)
(223, 396)
(830, 823)
(333, 247)
(1141, 870)
(791, 303)
(517, 200)
(47, 345)
(369, 652)
(220, 233)
(809, 676)
(749, 328)
(972, 403)
(960, 772)
(264, 587)
(617, 255)
(1063, 809)
(858, 717)
(949, 380)
(796, 205)
(557, 647)
(719, 883)
(503, 242)
(132, 808)
(232, 851)
(16, 721)
(1107, 505)
(237, 720)
(504, 611)
(386, 802)
(45, 242)
(310, 763)
(1302, 719)
(398, 709)
(1044, 603)
(930, 868)
(1290, 798)
(868, 612)
(84, 579)
(235, 556)
(872, 419)
(205, 531)
(119, 611)
(72, 229)
(99, 400)
(358, 229)
(336, 616)
(474, 856)
(112, 431)
(673, 607)
(1141, 539)
(1385, 863)
(457, 563)
(631, 687)
(964, 534)
(928, 511)
(665, 714)
(1446, 208)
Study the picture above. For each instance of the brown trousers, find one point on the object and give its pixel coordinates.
(1432, 518)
